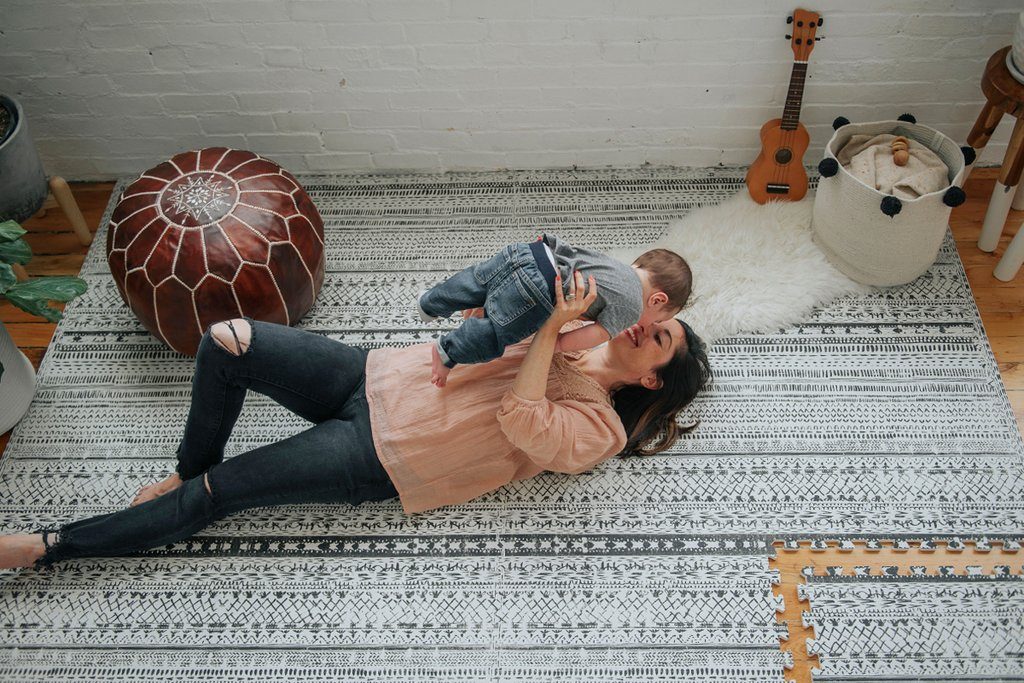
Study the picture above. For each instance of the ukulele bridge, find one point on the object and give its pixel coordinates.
(777, 188)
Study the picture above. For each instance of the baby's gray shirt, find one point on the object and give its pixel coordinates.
(620, 294)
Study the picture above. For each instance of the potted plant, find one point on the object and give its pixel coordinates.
(17, 376)
(23, 184)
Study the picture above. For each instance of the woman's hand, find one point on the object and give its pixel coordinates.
(571, 307)
(532, 379)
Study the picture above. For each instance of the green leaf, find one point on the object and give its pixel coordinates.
(7, 277)
(15, 251)
(53, 287)
(32, 296)
(10, 230)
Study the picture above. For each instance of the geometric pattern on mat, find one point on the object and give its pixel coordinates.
(918, 628)
(880, 416)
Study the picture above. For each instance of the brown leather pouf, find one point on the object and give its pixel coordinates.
(214, 234)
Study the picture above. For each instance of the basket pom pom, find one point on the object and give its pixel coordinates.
(969, 155)
(909, 118)
(828, 167)
(954, 197)
(891, 206)
(839, 122)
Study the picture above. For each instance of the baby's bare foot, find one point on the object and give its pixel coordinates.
(156, 490)
(20, 550)
(439, 371)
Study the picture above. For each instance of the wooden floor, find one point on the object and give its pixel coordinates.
(57, 251)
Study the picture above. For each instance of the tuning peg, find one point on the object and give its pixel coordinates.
(788, 36)
(789, 20)
(821, 21)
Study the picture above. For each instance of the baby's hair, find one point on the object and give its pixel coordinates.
(670, 273)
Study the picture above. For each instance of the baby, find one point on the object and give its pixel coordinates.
(516, 288)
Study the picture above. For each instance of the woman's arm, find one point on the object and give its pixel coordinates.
(532, 381)
(583, 338)
(561, 436)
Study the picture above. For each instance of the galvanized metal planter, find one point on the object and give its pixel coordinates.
(23, 186)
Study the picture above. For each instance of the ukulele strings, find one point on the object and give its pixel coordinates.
(786, 140)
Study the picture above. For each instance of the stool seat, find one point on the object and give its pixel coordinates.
(1004, 94)
(1000, 87)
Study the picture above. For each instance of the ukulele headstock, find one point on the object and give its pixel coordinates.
(804, 26)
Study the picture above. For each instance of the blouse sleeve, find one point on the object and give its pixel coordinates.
(564, 436)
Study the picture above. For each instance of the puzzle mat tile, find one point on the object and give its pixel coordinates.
(953, 628)
(881, 415)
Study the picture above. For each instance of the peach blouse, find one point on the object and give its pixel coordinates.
(448, 446)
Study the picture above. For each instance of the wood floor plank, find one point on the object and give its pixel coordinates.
(1013, 375)
(55, 264)
(999, 299)
(46, 243)
(1008, 349)
(31, 334)
(9, 313)
(1004, 324)
(1017, 403)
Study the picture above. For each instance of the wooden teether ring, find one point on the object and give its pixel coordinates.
(900, 155)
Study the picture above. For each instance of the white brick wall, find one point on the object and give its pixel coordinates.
(112, 87)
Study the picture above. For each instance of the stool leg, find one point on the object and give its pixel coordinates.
(982, 131)
(1011, 261)
(62, 193)
(1018, 199)
(1002, 193)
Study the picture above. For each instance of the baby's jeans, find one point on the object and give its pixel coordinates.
(515, 288)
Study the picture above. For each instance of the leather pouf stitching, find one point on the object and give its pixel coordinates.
(214, 234)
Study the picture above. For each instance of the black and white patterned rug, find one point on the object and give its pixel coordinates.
(882, 416)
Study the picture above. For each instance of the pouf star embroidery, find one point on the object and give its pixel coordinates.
(202, 197)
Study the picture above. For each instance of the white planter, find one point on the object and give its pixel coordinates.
(18, 383)
(850, 222)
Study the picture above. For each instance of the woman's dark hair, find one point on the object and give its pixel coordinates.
(649, 416)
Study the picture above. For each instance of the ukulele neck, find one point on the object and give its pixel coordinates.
(791, 114)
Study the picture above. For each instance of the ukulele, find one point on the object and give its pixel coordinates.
(778, 172)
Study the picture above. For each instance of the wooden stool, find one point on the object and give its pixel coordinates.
(60, 195)
(1004, 95)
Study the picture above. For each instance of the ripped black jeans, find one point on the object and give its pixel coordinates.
(315, 377)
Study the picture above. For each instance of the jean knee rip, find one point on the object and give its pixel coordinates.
(241, 348)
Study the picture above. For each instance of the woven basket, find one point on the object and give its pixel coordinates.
(875, 238)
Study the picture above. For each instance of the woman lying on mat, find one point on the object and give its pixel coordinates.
(382, 431)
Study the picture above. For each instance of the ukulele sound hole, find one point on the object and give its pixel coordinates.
(783, 156)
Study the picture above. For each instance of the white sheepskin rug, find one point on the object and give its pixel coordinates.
(755, 268)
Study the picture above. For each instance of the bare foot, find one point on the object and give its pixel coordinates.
(439, 372)
(20, 550)
(156, 490)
